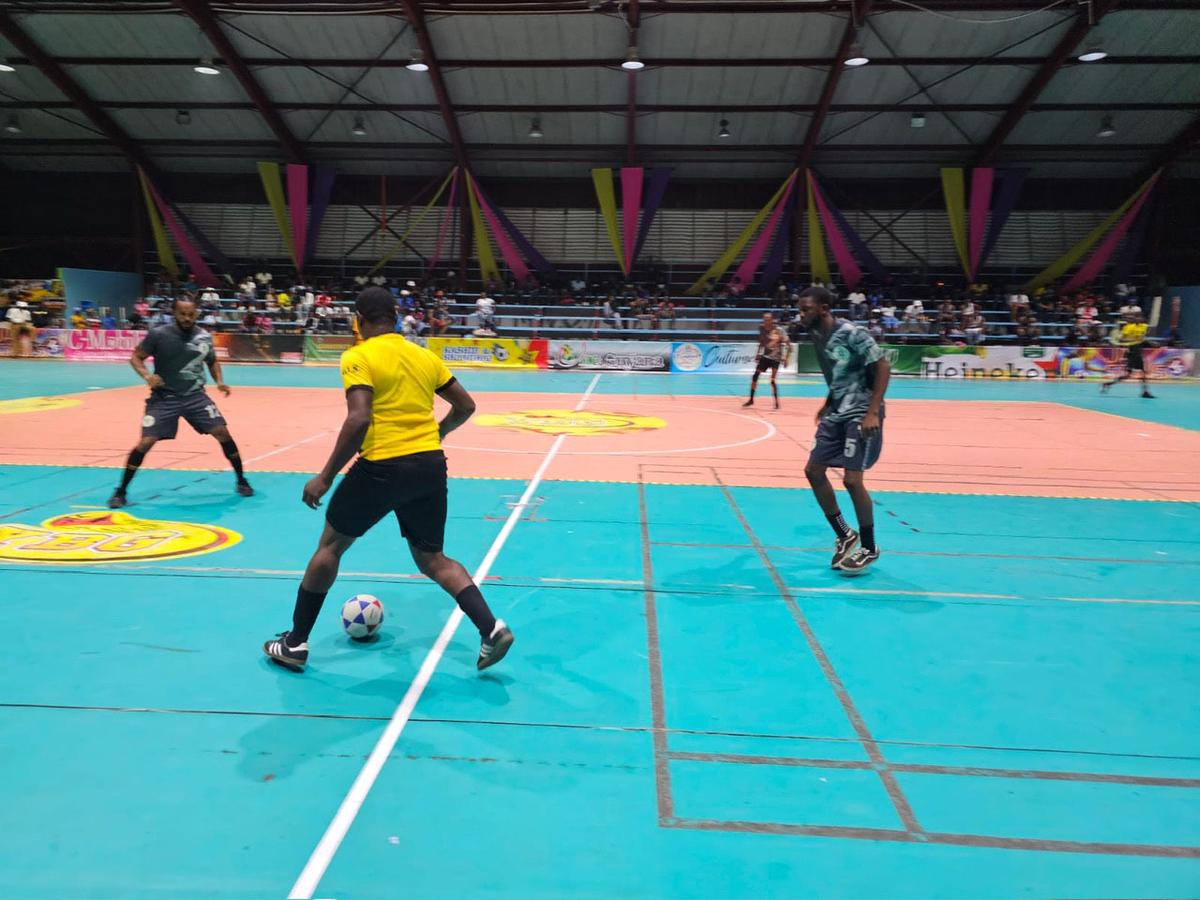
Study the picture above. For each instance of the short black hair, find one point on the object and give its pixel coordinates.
(185, 297)
(821, 296)
(376, 304)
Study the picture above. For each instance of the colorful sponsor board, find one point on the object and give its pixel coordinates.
(327, 348)
(46, 343)
(705, 358)
(262, 348)
(98, 345)
(502, 352)
(105, 536)
(611, 356)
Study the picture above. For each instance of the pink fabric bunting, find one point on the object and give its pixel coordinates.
(1096, 262)
(297, 191)
(437, 249)
(511, 258)
(851, 273)
(200, 270)
(631, 205)
(745, 272)
(981, 200)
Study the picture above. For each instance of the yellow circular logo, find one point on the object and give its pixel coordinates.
(36, 404)
(569, 421)
(109, 537)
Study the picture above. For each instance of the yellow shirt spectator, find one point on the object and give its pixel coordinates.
(284, 301)
(404, 378)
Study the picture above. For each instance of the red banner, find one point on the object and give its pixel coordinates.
(98, 345)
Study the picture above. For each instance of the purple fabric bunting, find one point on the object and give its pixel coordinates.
(322, 191)
(200, 270)
(652, 198)
(1123, 268)
(1004, 200)
(745, 272)
(512, 259)
(437, 248)
(209, 248)
(530, 252)
(774, 266)
(1095, 264)
(847, 267)
(869, 259)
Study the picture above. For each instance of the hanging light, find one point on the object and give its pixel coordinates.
(535, 128)
(183, 117)
(856, 57)
(359, 129)
(416, 62)
(1094, 53)
(917, 120)
(632, 63)
(5, 66)
(1106, 128)
(206, 67)
(13, 125)
(723, 131)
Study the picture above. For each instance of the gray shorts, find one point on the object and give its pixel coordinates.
(840, 445)
(161, 419)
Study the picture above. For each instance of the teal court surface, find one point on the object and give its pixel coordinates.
(696, 705)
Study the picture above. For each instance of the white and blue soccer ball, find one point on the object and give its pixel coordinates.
(362, 615)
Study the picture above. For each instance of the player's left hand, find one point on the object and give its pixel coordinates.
(224, 389)
(316, 488)
(869, 427)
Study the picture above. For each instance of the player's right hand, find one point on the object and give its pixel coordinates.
(821, 413)
(155, 381)
(316, 488)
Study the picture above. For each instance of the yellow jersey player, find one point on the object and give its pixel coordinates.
(1131, 334)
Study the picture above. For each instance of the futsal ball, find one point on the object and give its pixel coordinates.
(362, 615)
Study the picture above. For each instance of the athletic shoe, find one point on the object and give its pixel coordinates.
(777, 404)
(117, 500)
(1104, 387)
(293, 658)
(842, 549)
(492, 649)
(749, 402)
(857, 564)
(244, 489)
(1146, 395)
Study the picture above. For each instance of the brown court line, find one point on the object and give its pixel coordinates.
(880, 765)
(925, 769)
(662, 770)
(1095, 559)
(934, 837)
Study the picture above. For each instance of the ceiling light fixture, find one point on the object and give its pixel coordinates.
(183, 117)
(723, 131)
(5, 66)
(359, 129)
(632, 63)
(1094, 53)
(206, 67)
(917, 120)
(856, 57)
(1106, 128)
(535, 128)
(416, 62)
(13, 125)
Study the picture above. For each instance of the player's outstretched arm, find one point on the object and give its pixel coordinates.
(462, 407)
(354, 428)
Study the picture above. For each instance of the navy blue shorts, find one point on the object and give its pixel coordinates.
(840, 445)
(163, 410)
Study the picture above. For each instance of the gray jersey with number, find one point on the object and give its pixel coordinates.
(844, 358)
(179, 359)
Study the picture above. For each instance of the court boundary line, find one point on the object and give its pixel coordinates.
(322, 855)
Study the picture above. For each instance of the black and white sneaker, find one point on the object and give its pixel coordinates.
(294, 658)
(858, 562)
(842, 549)
(244, 489)
(117, 500)
(1146, 395)
(493, 648)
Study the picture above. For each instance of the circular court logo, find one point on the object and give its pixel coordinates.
(569, 421)
(109, 537)
(36, 404)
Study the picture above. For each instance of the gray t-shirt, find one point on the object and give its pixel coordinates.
(179, 360)
(844, 358)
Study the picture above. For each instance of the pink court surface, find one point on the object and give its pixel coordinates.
(696, 705)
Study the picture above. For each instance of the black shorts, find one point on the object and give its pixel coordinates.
(840, 445)
(413, 487)
(765, 364)
(163, 410)
(1134, 360)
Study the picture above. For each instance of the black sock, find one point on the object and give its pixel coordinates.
(235, 458)
(840, 528)
(131, 466)
(308, 607)
(775, 391)
(753, 387)
(866, 535)
(471, 601)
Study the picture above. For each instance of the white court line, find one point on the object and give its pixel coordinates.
(323, 854)
(867, 592)
(284, 449)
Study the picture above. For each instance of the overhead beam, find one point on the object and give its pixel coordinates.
(76, 95)
(206, 19)
(858, 15)
(1187, 141)
(655, 7)
(633, 13)
(1085, 20)
(416, 19)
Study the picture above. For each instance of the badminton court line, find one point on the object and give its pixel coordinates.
(336, 832)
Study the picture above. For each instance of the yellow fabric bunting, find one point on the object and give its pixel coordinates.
(483, 248)
(817, 259)
(273, 187)
(387, 257)
(606, 196)
(166, 256)
(955, 193)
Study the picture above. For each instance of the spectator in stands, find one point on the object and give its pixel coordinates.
(249, 322)
(946, 314)
(248, 288)
(485, 310)
(209, 298)
(915, 320)
(977, 329)
(264, 323)
(859, 310)
(1130, 306)
(887, 315)
(209, 321)
(1095, 334)
(666, 312)
(439, 319)
(611, 313)
(1087, 313)
(1033, 329)
(20, 327)
(875, 325)
(284, 299)
(78, 319)
(1018, 302)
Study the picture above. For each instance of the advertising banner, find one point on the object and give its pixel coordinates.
(705, 358)
(326, 348)
(97, 345)
(611, 356)
(47, 343)
(504, 352)
(261, 348)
